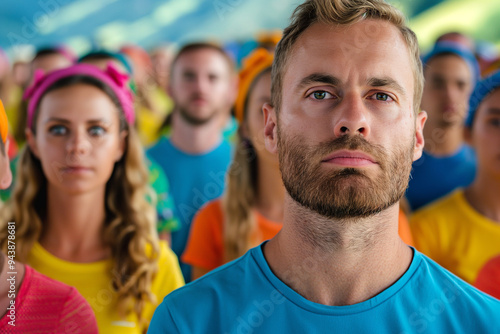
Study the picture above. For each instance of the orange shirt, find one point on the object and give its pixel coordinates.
(404, 229)
(205, 247)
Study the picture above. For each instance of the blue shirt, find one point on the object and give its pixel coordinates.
(434, 177)
(194, 180)
(244, 296)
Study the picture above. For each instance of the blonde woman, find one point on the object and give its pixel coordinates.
(80, 199)
(251, 211)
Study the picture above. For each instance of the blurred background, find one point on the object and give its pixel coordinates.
(83, 25)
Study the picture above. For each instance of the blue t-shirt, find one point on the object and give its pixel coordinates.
(434, 177)
(244, 296)
(194, 180)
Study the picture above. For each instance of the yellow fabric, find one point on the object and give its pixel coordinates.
(4, 123)
(455, 235)
(93, 281)
(148, 122)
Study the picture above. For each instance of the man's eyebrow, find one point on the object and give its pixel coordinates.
(319, 78)
(386, 82)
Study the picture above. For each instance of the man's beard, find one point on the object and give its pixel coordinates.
(348, 192)
(191, 119)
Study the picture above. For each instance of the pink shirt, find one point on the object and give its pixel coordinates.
(43, 305)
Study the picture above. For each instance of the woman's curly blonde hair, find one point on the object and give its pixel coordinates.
(129, 227)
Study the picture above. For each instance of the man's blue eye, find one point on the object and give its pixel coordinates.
(381, 97)
(320, 95)
(58, 130)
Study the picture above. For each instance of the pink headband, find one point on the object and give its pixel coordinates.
(111, 77)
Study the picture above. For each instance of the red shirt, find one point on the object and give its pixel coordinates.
(43, 305)
(488, 279)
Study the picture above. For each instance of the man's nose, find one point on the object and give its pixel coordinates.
(351, 117)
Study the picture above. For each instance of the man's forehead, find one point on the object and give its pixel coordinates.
(202, 59)
(356, 35)
(442, 62)
(375, 44)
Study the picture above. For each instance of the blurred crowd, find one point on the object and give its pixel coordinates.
(178, 181)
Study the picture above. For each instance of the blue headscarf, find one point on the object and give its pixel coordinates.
(447, 47)
(481, 91)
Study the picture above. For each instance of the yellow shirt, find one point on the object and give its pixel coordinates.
(455, 235)
(93, 281)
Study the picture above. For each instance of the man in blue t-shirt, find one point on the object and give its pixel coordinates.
(346, 126)
(195, 157)
(450, 72)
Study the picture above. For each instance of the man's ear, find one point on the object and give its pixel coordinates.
(31, 140)
(419, 135)
(270, 128)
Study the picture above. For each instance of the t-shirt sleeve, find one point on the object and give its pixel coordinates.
(77, 315)
(162, 321)
(204, 247)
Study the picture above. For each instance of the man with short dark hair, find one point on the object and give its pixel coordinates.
(195, 157)
(447, 163)
(346, 126)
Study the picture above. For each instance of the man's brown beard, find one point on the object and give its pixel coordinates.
(348, 192)
(193, 120)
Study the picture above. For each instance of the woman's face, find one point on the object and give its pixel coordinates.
(78, 138)
(485, 135)
(254, 121)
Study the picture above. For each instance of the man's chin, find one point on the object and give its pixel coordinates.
(197, 117)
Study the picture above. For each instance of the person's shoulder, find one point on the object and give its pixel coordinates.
(211, 208)
(460, 296)
(467, 154)
(217, 285)
(199, 306)
(57, 295)
(159, 147)
(225, 148)
(51, 287)
(166, 254)
(441, 208)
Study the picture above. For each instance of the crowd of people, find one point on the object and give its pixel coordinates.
(321, 180)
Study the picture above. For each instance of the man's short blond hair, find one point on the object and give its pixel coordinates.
(342, 12)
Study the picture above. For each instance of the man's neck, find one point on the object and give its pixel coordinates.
(443, 141)
(338, 262)
(195, 139)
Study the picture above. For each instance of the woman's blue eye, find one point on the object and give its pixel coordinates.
(382, 97)
(97, 131)
(58, 130)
